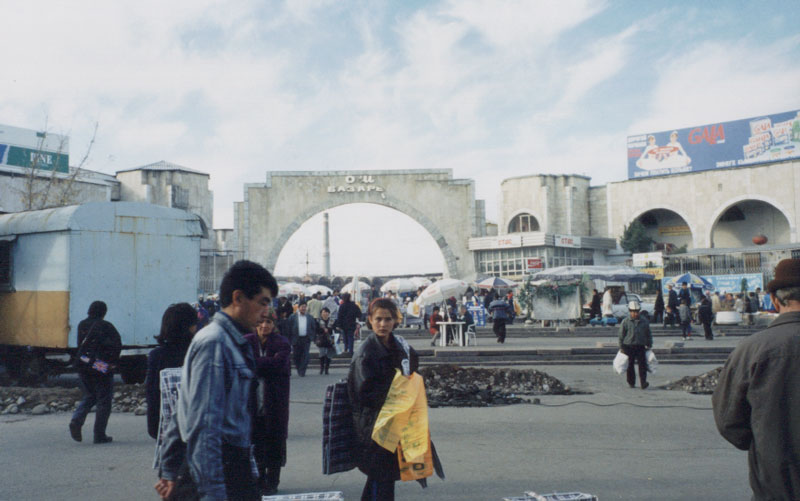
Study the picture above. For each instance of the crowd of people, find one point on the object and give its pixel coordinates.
(232, 410)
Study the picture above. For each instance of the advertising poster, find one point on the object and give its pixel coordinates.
(727, 283)
(751, 141)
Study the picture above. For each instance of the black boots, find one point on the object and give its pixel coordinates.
(324, 363)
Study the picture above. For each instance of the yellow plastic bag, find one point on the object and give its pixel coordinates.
(403, 419)
(415, 471)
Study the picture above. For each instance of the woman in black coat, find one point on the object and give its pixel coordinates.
(371, 373)
(178, 326)
(271, 421)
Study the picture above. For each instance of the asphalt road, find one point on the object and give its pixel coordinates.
(617, 443)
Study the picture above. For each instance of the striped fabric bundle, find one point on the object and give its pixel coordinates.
(338, 431)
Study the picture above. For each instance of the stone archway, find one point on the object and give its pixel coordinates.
(444, 206)
(738, 221)
(667, 226)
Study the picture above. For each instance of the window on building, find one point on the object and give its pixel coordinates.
(523, 223)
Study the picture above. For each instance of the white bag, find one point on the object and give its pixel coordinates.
(337, 343)
(652, 362)
(620, 362)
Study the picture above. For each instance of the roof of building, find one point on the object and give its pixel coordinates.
(126, 217)
(163, 165)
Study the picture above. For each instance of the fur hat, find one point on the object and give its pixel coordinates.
(787, 274)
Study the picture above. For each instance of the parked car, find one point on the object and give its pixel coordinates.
(621, 310)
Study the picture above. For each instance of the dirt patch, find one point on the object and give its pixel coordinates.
(454, 386)
(704, 384)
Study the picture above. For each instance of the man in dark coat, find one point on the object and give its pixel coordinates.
(685, 293)
(634, 340)
(672, 306)
(349, 314)
(756, 404)
(301, 329)
(99, 346)
(705, 315)
(594, 309)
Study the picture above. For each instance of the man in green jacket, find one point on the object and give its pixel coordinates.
(634, 340)
(757, 401)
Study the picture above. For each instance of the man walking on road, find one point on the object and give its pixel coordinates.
(501, 313)
(99, 345)
(301, 330)
(634, 340)
(207, 446)
(756, 403)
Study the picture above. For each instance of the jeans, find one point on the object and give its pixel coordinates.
(240, 485)
(98, 389)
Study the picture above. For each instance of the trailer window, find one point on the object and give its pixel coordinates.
(5, 265)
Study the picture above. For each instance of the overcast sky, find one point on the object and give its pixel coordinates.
(490, 89)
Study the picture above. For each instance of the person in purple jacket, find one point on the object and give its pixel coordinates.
(271, 420)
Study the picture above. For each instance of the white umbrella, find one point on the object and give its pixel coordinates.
(420, 281)
(442, 290)
(497, 283)
(399, 285)
(291, 289)
(349, 287)
(313, 289)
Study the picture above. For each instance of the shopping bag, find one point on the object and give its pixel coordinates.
(403, 419)
(620, 362)
(416, 470)
(338, 431)
(338, 345)
(652, 361)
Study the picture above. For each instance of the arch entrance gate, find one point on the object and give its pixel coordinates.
(271, 212)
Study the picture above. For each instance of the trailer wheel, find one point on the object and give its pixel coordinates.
(133, 369)
(24, 365)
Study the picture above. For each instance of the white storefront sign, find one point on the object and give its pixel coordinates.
(505, 241)
(648, 260)
(567, 241)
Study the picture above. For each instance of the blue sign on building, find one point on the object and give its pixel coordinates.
(751, 141)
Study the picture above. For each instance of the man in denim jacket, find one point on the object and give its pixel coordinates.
(207, 447)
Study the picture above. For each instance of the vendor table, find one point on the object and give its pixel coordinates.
(460, 337)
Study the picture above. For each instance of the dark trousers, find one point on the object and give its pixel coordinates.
(349, 335)
(378, 490)
(239, 482)
(98, 389)
(686, 329)
(658, 316)
(707, 330)
(635, 354)
(300, 354)
(269, 452)
(499, 328)
(669, 318)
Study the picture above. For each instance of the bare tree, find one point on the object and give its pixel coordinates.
(43, 189)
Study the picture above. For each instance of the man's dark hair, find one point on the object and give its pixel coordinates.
(175, 324)
(248, 277)
(324, 308)
(97, 309)
(436, 308)
(346, 297)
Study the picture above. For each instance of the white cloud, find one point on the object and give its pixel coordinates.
(721, 81)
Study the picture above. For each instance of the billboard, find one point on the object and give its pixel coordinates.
(27, 148)
(751, 141)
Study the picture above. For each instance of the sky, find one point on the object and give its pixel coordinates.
(490, 89)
